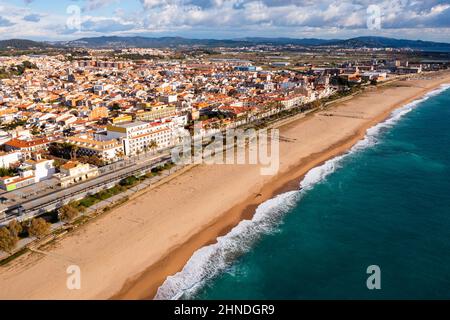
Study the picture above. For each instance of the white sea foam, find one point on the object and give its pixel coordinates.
(209, 261)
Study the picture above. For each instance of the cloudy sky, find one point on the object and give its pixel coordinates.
(72, 19)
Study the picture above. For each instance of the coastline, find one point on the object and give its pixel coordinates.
(102, 247)
(146, 284)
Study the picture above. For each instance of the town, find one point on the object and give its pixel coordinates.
(83, 121)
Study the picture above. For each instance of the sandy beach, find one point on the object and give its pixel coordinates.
(128, 252)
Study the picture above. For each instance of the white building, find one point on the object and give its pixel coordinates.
(4, 137)
(292, 100)
(73, 172)
(169, 98)
(31, 171)
(43, 169)
(25, 178)
(108, 150)
(8, 158)
(140, 136)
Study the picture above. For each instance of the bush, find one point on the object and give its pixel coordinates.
(128, 181)
(15, 227)
(87, 202)
(67, 213)
(158, 169)
(8, 240)
(39, 227)
(150, 175)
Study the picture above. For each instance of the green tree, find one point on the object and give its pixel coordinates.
(115, 106)
(63, 150)
(29, 65)
(6, 172)
(38, 227)
(8, 240)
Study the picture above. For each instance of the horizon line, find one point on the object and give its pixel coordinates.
(245, 38)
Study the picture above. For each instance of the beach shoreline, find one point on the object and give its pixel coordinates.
(146, 284)
(128, 253)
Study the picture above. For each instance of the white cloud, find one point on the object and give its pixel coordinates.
(148, 4)
(91, 5)
(236, 18)
(4, 22)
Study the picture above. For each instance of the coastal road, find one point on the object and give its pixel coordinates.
(109, 176)
(48, 196)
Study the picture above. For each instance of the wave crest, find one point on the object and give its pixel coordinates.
(211, 260)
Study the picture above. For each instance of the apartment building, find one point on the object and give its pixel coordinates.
(291, 100)
(141, 136)
(108, 151)
(156, 113)
(26, 147)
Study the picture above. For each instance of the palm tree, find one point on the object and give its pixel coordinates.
(72, 149)
(119, 154)
(153, 145)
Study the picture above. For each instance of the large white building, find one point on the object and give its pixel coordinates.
(43, 169)
(140, 136)
(108, 150)
(292, 100)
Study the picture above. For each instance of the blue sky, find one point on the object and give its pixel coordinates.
(72, 19)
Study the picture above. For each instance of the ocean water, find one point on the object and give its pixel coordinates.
(386, 203)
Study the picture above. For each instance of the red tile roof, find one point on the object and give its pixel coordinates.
(17, 143)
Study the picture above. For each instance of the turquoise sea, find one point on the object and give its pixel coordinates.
(385, 203)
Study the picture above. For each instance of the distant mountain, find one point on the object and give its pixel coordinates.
(145, 42)
(381, 42)
(287, 41)
(359, 42)
(164, 42)
(21, 44)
